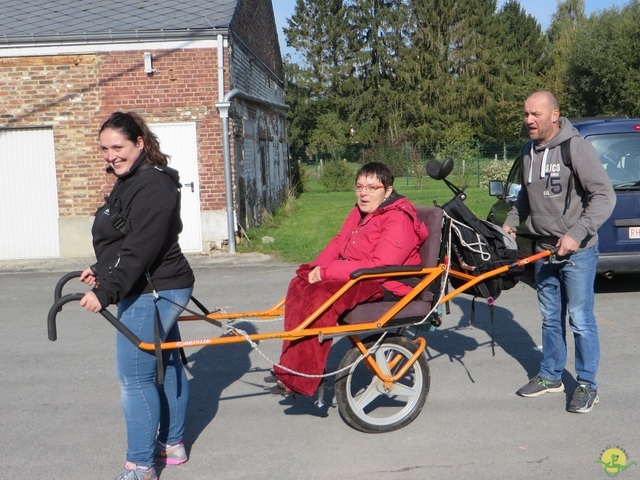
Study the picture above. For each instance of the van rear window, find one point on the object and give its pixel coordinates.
(620, 155)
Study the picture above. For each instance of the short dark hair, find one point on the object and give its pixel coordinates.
(378, 169)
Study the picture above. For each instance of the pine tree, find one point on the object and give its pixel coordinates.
(522, 48)
(450, 65)
(376, 98)
(318, 31)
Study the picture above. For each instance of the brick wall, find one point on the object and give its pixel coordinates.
(74, 94)
(59, 92)
(183, 88)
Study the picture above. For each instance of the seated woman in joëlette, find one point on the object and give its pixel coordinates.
(382, 229)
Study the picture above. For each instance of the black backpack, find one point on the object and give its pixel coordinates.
(478, 246)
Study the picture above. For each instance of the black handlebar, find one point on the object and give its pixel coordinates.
(57, 292)
(57, 307)
(61, 301)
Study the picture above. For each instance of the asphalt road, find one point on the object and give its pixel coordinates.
(60, 414)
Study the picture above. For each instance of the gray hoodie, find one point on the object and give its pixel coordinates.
(545, 201)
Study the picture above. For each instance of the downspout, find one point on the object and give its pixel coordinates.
(223, 105)
(223, 108)
(220, 42)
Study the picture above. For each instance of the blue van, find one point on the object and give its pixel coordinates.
(617, 142)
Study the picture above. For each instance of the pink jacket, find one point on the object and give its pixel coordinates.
(390, 235)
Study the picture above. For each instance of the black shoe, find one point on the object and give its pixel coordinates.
(271, 378)
(280, 389)
(538, 385)
(583, 400)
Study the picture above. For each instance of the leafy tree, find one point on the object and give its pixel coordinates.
(522, 48)
(336, 176)
(603, 67)
(459, 144)
(566, 23)
(318, 31)
(449, 72)
(330, 130)
(569, 16)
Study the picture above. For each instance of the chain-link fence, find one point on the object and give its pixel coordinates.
(473, 166)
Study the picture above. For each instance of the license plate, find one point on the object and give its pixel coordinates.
(634, 232)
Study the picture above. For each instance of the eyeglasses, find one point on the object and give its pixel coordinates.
(367, 188)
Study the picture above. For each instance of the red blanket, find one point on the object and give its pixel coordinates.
(308, 355)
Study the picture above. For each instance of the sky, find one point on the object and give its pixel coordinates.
(541, 9)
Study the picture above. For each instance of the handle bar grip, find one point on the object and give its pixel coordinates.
(57, 293)
(57, 307)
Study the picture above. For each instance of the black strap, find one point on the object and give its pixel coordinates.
(473, 311)
(156, 327)
(156, 331)
(157, 342)
(565, 152)
(490, 303)
(183, 356)
(196, 314)
(493, 326)
(447, 307)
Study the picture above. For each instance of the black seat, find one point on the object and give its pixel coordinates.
(419, 307)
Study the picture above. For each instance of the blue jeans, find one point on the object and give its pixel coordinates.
(563, 289)
(151, 412)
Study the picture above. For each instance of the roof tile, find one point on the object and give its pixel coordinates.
(35, 18)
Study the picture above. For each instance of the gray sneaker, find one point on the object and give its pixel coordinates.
(538, 385)
(133, 472)
(583, 400)
(171, 454)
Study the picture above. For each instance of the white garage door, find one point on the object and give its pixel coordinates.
(28, 194)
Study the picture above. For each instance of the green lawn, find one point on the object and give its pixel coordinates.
(304, 225)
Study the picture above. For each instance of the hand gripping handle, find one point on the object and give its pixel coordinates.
(60, 302)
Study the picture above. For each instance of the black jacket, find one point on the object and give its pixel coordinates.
(136, 231)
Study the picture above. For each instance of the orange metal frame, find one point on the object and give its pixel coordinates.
(305, 329)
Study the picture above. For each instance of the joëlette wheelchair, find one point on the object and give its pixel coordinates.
(383, 380)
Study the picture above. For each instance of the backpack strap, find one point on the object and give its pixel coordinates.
(565, 152)
(525, 149)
